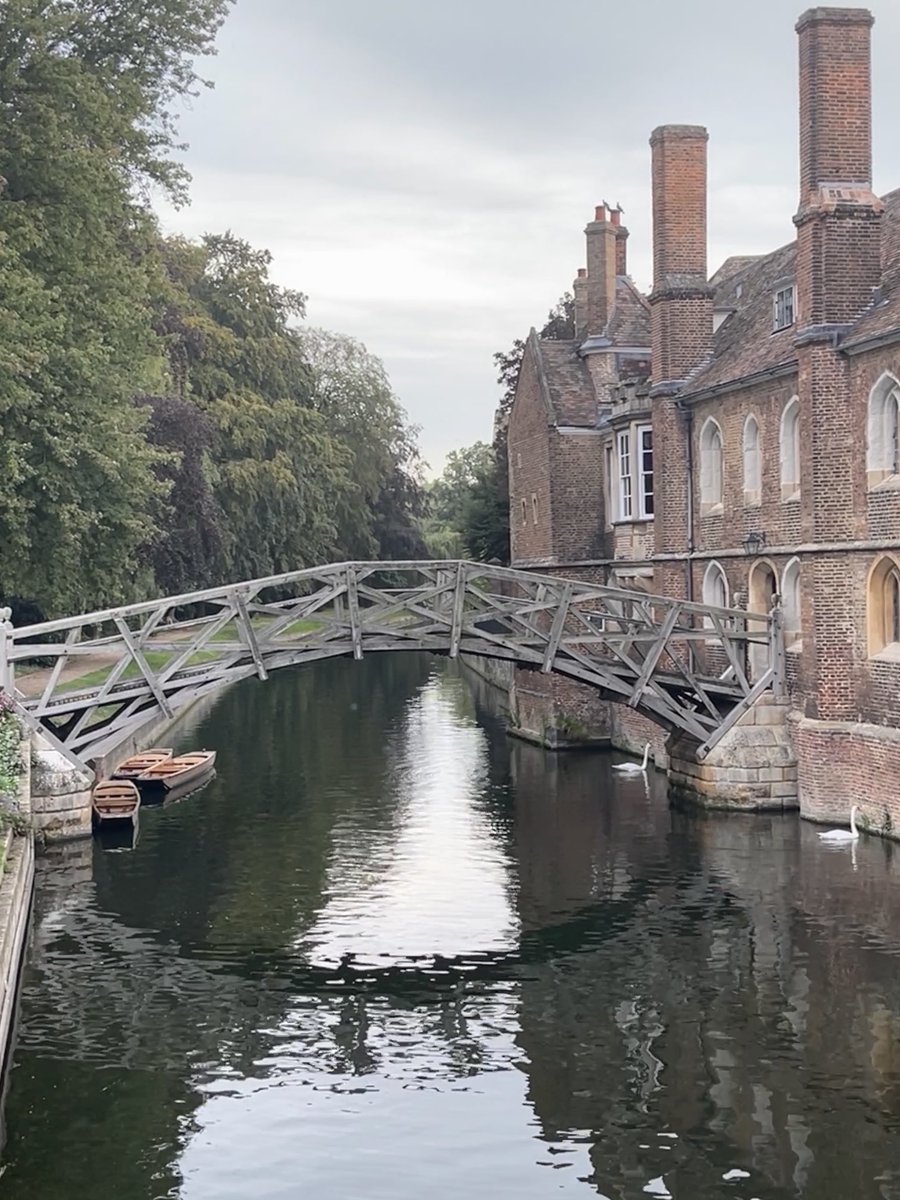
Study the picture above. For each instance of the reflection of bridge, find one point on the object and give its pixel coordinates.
(683, 665)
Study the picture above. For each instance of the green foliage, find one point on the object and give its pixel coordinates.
(467, 514)
(165, 423)
(351, 390)
(10, 750)
(84, 90)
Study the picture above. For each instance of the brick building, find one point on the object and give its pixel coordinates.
(734, 437)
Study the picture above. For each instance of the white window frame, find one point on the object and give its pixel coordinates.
(784, 308)
(609, 462)
(524, 511)
(883, 433)
(624, 478)
(534, 508)
(789, 445)
(643, 475)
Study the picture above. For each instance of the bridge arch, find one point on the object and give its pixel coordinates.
(660, 655)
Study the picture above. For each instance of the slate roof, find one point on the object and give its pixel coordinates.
(731, 266)
(744, 344)
(565, 380)
(629, 324)
(884, 315)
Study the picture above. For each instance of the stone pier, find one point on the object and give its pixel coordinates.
(753, 767)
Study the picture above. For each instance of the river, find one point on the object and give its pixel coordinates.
(390, 954)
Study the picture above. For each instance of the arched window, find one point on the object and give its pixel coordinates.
(790, 451)
(710, 467)
(883, 443)
(884, 608)
(752, 462)
(715, 586)
(790, 598)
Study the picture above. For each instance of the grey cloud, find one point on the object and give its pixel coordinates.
(424, 171)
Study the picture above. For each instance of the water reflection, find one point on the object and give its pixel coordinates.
(388, 952)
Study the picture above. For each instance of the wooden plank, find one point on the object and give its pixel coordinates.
(143, 666)
(459, 604)
(353, 608)
(249, 636)
(71, 638)
(777, 652)
(742, 706)
(653, 656)
(556, 629)
(728, 647)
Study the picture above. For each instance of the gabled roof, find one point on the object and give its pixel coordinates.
(629, 323)
(731, 266)
(565, 381)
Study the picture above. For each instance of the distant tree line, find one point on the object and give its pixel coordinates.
(167, 421)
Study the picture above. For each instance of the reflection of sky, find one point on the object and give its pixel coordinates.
(471, 1140)
(442, 888)
(386, 1078)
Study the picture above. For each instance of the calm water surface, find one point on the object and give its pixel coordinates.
(388, 953)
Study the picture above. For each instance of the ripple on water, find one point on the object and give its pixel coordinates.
(400, 955)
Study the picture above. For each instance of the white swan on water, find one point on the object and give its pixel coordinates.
(631, 768)
(843, 835)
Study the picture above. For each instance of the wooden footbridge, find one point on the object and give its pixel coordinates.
(96, 678)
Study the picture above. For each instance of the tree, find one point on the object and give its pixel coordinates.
(85, 90)
(467, 515)
(189, 550)
(351, 389)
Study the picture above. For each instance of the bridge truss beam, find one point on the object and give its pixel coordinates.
(105, 674)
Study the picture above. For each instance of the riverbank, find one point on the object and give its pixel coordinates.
(16, 891)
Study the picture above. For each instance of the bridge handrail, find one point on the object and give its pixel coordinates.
(254, 586)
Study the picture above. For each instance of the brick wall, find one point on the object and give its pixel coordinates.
(779, 519)
(528, 442)
(840, 765)
(576, 475)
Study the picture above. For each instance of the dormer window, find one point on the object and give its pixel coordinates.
(783, 308)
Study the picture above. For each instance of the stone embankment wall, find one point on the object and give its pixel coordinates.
(16, 888)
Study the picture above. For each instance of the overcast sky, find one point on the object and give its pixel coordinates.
(423, 171)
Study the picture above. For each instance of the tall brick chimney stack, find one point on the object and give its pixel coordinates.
(681, 301)
(838, 238)
(681, 326)
(621, 241)
(579, 291)
(603, 236)
(838, 264)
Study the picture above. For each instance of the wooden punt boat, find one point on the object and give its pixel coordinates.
(115, 802)
(138, 763)
(182, 771)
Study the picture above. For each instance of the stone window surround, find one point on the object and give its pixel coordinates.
(712, 448)
(883, 609)
(789, 450)
(752, 460)
(883, 434)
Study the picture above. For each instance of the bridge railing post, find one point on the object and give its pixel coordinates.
(7, 668)
(776, 649)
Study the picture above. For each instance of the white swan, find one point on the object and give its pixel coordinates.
(843, 835)
(631, 768)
